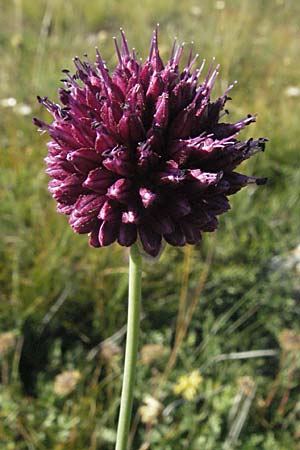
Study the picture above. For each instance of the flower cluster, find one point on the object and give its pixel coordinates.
(142, 154)
(187, 385)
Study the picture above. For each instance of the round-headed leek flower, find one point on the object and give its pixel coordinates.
(143, 153)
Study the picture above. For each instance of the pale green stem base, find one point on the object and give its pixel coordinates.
(133, 325)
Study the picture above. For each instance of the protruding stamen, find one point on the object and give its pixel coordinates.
(209, 70)
(151, 45)
(173, 50)
(192, 62)
(190, 54)
(230, 87)
(198, 72)
(118, 51)
(101, 67)
(125, 48)
(178, 54)
(213, 78)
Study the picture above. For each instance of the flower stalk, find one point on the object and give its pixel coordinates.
(133, 324)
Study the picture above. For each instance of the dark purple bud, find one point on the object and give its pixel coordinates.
(211, 225)
(83, 132)
(108, 233)
(151, 241)
(136, 99)
(218, 205)
(156, 87)
(120, 80)
(223, 130)
(99, 180)
(121, 190)
(118, 166)
(147, 158)
(82, 225)
(68, 190)
(57, 168)
(182, 95)
(182, 124)
(176, 238)
(131, 128)
(192, 233)
(154, 57)
(179, 207)
(161, 224)
(104, 141)
(63, 135)
(238, 181)
(89, 205)
(84, 159)
(54, 149)
(127, 234)
(94, 236)
(162, 111)
(110, 212)
(64, 209)
(145, 74)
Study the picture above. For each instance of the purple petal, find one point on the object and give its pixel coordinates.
(94, 236)
(121, 190)
(110, 211)
(176, 238)
(179, 207)
(151, 241)
(83, 224)
(84, 159)
(127, 234)
(108, 233)
(99, 180)
(89, 205)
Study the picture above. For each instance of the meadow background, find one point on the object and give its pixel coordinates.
(230, 379)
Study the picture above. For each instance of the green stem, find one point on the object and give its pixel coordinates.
(133, 325)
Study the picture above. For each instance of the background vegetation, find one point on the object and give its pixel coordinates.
(222, 373)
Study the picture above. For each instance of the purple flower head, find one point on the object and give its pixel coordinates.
(144, 153)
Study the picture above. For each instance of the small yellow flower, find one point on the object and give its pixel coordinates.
(187, 385)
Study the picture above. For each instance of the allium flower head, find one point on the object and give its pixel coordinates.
(144, 153)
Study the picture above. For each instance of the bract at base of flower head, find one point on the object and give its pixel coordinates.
(143, 153)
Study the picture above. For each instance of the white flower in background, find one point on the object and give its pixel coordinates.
(9, 102)
(150, 410)
(290, 261)
(292, 91)
(19, 108)
(22, 109)
(220, 4)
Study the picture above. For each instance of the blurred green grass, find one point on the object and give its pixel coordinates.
(60, 298)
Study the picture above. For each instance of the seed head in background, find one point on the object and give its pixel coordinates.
(143, 153)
